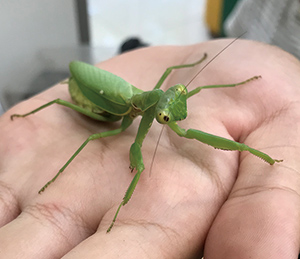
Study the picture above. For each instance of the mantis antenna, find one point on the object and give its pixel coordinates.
(193, 78)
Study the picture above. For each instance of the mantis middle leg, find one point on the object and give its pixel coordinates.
(198, 89)
(170, 69)
(125, 124)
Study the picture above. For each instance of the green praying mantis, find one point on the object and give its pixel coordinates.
(104, 96)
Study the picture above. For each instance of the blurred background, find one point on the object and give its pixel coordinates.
(40, 37)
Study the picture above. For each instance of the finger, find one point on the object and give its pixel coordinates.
(67, 212)
(42, 232)
(9, 205)
(261, 217)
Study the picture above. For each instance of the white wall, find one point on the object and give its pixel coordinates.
(38, 35)
(155, 22)
(28, 27)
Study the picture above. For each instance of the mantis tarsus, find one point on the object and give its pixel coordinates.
(104, 96)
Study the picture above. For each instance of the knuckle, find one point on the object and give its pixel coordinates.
(59, 218)
(9, 205)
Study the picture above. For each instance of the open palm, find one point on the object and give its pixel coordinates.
(197, 199)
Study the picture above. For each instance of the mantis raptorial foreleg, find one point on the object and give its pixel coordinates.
(136, 158)
(127, 197)
(219, 142)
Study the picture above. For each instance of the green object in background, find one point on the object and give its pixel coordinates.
(228, 6)
(216, 13)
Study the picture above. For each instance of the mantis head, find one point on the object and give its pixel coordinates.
(172, 105)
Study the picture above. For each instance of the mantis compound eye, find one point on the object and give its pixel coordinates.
(163, 117)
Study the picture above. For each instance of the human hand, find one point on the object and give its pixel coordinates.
(227, 204)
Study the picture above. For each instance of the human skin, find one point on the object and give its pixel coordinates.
(197, 201)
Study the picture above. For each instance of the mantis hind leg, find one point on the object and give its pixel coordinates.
(69, 105)
(220, 143)
(170, 69)
(125, 124)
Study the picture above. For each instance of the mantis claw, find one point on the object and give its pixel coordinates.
(14, 115)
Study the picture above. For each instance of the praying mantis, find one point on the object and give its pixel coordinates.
(104, 96)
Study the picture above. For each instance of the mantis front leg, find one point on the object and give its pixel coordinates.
(136, 158)
(219, 142)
